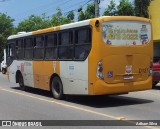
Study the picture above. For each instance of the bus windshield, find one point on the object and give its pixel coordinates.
(126, 33)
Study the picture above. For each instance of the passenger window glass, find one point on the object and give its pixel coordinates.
(51, 46)
(39, 42)
(38, 47)
(51, 40)
(19, 49)
(83, 36)
(65, 48)
(28, 43)
(82, 43)
(65, 38)
(28, 48)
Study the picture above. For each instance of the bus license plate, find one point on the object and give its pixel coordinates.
(127, 77)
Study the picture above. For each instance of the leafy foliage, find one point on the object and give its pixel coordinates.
(70, 16)
(141, 7)
(40, 22)
(59, 19)
(111, 9)
(6, 29)
(88, 13)
(33, 23)
(125, 8)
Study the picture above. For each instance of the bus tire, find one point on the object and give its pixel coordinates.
(57, 88)
(3, 70)
(21, 82)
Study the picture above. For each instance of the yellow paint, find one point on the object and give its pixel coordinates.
(42, 71)
(155, 17)
(46, 30)
(93, 57)
(121, 18)
(7, 73)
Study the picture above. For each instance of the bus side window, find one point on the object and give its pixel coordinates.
(28, 49)
(39, 47)
(12, 50)
(65, 48)
(51, 46)
(82, 43)
(19, 49)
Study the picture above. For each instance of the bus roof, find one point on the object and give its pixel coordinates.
(76, 24)
(62, 27)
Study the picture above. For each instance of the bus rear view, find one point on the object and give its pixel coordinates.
(123, 55)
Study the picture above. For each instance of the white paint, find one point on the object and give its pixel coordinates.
(75, 24)
(20, 35)
(71, 69)
(27, 73)
(74, 77)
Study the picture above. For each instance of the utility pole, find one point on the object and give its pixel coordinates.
(96, 2)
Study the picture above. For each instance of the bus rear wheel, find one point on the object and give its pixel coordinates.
(57, 88)
(21, 82)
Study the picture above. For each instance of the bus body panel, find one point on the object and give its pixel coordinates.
(101, 88)
(42, 71)
(26, 69)
(74, 76)
(120, 64)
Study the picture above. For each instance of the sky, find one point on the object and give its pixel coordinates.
(22, 9)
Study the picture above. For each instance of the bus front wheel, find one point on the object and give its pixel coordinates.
(21, 82)
(57, 88)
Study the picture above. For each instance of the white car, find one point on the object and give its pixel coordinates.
(3, 67)
(3, 63)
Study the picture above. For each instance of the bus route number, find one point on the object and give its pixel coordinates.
(143, 70)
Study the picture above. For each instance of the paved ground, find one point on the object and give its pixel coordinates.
(36, 104)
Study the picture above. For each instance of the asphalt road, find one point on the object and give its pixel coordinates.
(35, 104)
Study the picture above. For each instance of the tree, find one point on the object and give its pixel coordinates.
(59, 19)
(88, 13)
(141, 7)
(6, 29)
(33, 23)
(70, 15)
(111, 9)
(125, 8)
(81, 16)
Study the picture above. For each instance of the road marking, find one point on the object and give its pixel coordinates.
(74, 107)
(65, 105)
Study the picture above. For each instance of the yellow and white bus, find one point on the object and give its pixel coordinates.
(105, 55)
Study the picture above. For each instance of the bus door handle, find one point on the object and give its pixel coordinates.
(71, 80)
